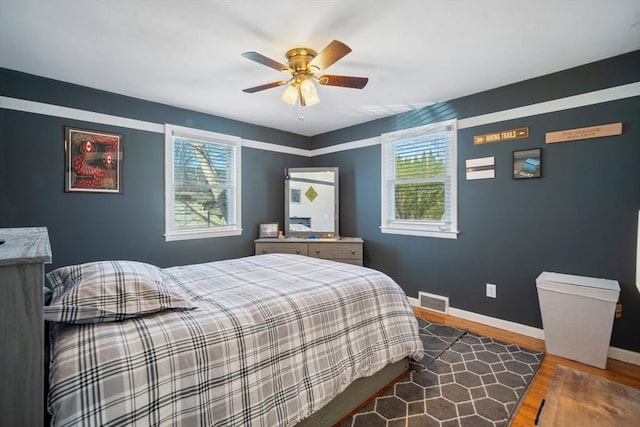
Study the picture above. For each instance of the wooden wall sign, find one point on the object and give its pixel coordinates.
(583, 133)
(505, 135)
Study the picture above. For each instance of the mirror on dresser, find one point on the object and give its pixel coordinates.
(311, 202)
(311, 219)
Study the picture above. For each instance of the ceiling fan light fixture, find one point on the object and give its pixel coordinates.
(311, 100)
(303, 64)
(308, 92)
(290, 95)
(308, 89)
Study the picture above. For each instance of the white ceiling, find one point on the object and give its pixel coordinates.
(187, 53)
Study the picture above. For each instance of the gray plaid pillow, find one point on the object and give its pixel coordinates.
(108, 291)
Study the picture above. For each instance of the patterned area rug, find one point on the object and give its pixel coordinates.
(464, 380)
(436, 339)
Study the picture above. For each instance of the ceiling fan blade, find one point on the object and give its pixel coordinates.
(265, 86)
(328, 56)
(261, 59)
(343, 81)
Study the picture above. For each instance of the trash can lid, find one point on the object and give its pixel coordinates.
(604, 289)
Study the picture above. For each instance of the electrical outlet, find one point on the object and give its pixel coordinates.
(491, 290)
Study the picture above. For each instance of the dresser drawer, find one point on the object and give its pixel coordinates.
(347, 250)
(281, 248)
(336, 251)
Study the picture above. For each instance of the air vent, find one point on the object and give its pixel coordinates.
(434, 302)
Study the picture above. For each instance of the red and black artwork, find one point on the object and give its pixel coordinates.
(93, 161)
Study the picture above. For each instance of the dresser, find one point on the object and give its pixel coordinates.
(23, 255)
(344, 249)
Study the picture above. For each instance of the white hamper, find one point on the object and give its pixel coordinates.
(577, 316)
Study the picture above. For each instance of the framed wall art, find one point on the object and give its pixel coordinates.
(93, 161)
(527, 164)
(295, 195)
(269, 230)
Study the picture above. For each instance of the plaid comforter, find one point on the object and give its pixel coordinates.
(272, 340)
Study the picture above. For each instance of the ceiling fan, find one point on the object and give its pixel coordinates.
(304, 65)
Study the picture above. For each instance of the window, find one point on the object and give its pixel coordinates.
(419, 180)
(202, 184)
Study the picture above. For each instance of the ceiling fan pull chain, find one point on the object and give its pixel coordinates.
(300, 116)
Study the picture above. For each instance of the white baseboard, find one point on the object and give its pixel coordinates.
(613, 353)
(518, 328)
(414, 301)
(624, 355)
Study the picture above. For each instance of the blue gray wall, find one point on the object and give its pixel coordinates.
(579, 218)
(88, 226)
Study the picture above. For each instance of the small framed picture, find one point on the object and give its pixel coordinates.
(268, 230)
(295, 195)
(527, 163)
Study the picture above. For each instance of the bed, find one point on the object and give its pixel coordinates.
(255, 341)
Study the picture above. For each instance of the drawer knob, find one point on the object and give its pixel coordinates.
(297, 251)
(264, 251)
(318, 252)
(353, 251)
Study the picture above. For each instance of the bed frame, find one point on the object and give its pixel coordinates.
(355, 395)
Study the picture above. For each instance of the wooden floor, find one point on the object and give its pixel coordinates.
(617, 371)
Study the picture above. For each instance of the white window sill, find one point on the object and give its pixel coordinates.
(170, 237)
(421, 233)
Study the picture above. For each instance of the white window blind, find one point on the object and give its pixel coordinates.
(202, 184)
(419, 181)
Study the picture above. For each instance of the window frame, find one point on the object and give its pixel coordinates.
(208, 137)
(421, 228)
